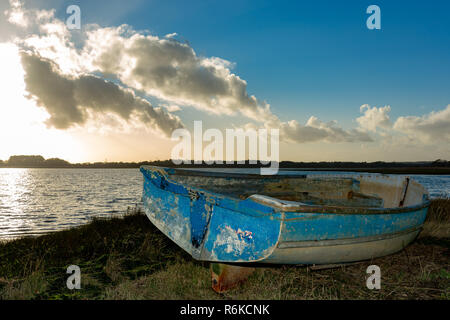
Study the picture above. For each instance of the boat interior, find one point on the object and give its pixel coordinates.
(362, 191)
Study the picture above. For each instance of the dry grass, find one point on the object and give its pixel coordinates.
(438, 220)
(419, 272)
(128, 258)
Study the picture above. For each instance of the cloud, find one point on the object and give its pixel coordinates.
(171, 35)
(374, 118)
(16, 15)
(172, 71)
(171, 107)
(161, 67)
(315, 130)
(70, 99)
(164, 68)
(27, 19)
(432, 127)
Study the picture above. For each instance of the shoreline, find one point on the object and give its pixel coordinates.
(402, 171)
(386, 170)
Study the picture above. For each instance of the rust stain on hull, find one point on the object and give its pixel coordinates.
(227, 276)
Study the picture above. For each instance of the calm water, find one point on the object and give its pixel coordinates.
(37, 201)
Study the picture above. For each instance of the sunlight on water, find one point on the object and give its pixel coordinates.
(38, 201)
(15, 195)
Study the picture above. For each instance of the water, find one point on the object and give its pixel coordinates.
(38, 201)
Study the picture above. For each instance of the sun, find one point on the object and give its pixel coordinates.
(22, 128)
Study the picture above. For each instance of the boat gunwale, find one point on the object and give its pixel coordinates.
(327, 209)
(293, 206)
(200, 173)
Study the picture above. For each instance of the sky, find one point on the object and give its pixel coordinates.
(117, 89)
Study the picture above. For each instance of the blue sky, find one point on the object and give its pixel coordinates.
(310, 58)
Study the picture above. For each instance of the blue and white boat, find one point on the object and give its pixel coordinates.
(231, 217)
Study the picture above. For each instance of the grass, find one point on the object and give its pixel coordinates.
(128, 258)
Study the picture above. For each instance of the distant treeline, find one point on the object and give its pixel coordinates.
(41, 162)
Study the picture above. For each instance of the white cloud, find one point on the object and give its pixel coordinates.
(171, 107)
(16, 15)
(171, 35)
(31, 20)
(432, 127)
(374, 118)
(317, 130)
(172, 71)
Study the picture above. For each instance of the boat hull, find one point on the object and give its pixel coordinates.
(341, 251)
(217, 228)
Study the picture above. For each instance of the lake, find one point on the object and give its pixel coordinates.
(39, 201)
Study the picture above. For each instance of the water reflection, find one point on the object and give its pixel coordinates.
(15, 194)
(37, 201)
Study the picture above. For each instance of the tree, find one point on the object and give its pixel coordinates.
(21, 161)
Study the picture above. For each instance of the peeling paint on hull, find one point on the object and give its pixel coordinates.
(222, 227)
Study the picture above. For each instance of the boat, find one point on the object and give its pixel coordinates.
(226, 216)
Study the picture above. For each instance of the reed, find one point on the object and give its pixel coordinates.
(438, 219)
(439, 210)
